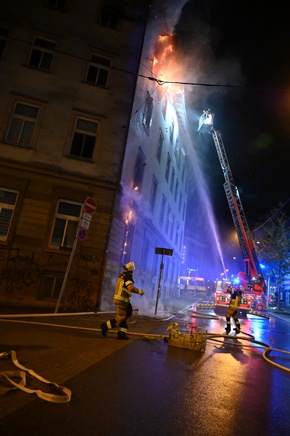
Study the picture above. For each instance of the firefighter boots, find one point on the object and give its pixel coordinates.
(104, 328)
(122, 335)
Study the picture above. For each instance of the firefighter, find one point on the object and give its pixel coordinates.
(123, 290)
(232, 311)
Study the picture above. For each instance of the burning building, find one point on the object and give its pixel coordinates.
(155, 171)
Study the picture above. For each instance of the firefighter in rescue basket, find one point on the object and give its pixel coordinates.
(123, 290)
(232, 311)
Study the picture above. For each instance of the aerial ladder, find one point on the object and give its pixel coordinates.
(252, 279)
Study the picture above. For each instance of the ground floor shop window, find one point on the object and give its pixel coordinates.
(51, 284)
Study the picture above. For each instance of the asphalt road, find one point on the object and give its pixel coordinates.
(147, 386)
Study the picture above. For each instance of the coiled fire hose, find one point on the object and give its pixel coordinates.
(64, 395)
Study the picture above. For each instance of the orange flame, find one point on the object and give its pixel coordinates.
(165, 66)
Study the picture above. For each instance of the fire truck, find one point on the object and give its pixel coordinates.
(191, 285)
(252, 278)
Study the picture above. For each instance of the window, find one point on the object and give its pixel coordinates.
(84, 138)
(177, 153)
(3, 40)
(183, 171)
(98, 71)
(176, 190)
(172, 179)
(8, 200)
(167, 218)
(171, 129)
(50, 287)
(177, 234)
(183, 211)
(148, 111)
(159, 145)
(168, 165)
(22, 125)
(65, 224)
(110, 16)
(139, 171)
(180, 240)
(153, 193)
(41, 55)
(145, 252)
(180, 201)
(172, 225)
(57, 5)
(164, 107)
(162, 211)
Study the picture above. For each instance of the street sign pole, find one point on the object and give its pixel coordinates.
(162, 251)
(66, 273)
(159, 281)
(89, 208)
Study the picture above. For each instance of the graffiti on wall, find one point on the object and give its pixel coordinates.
(21, 273)
(78, 295)
(18, 270)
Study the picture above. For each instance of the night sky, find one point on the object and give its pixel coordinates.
(246, 47)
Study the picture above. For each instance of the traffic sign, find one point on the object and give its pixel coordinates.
(82, 234)
(85, 224)
(87, 216)
(90, 205)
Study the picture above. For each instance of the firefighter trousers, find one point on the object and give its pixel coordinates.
(121, 320)
(232, 312)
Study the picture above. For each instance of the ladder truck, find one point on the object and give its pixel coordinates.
(252, 278)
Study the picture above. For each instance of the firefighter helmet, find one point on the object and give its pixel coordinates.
(130, 266)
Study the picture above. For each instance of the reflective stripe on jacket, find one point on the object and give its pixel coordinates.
(122, 293)
(124, 288)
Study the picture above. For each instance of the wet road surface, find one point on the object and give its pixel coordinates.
(145, 386)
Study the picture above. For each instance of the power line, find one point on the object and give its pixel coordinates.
(155, 79)
(272, 216)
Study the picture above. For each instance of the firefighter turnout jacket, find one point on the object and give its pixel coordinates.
(236, 298)
(124, 288)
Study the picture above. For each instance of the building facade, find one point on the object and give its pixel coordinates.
(68, 72)
(84, 114)
(153, 202)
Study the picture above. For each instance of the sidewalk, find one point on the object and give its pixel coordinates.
(60, 347)
(68, 348)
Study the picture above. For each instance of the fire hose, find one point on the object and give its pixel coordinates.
(64, 395)
(212, 337)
